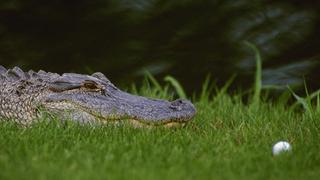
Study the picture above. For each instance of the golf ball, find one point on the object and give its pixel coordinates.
(281, 146)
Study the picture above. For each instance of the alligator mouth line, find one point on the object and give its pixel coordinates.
(115, 119)
(139, 123)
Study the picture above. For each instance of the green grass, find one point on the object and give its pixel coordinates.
(227, 139)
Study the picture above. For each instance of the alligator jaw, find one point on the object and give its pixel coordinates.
(154, 112)
(141, 111)
(121, 106)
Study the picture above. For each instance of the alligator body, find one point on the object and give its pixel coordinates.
(82, 98)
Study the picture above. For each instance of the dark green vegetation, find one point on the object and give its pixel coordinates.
(227, 139)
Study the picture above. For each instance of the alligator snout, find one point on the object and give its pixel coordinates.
(184, 108)
(179, 104)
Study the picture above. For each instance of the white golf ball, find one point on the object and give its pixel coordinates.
(281, 146)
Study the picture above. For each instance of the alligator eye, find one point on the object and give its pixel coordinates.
(90, 85)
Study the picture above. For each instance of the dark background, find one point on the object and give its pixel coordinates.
(188, 39)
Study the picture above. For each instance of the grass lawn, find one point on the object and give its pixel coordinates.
(226, 140)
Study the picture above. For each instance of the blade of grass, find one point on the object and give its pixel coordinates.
(309, 97)
(224, 89)
(258, 74)
(134, 89)
(318, 103)
(153, 80)
(306, 106)
(206, 90)
(314, 94)
(177, 86)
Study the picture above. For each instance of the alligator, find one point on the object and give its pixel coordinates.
(85, 99)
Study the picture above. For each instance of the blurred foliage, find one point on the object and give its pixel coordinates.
(186, 39)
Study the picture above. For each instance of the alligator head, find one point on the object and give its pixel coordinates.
(91, 99)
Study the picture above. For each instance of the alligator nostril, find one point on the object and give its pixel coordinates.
(177, 104)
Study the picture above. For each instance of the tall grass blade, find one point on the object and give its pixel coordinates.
(153, 81)
(206, 90)
(304, 102)
(258, 74)
(314, 94)
(134, 89)
(309, 97)
(318, 103)
(177, 86)
(225, 88)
